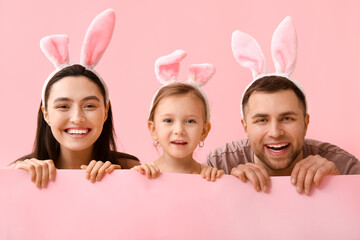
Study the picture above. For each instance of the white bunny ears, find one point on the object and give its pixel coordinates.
(248, 54)
(167, 69)
(96, 41)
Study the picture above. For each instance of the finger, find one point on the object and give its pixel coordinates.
(213, 174)
(239, 173)
(295, 173)
(320, 174)
(208, 171)
(153, 171)
(52, 169)
(147, 170)
(140, 169)
(95, 170)
(253, 178)
(220, 173)
(265, 178)
(309, 178)
(112, 168)
(45, 174)
(89, 168)
(83, 167)
(38, 172)
(102, 169)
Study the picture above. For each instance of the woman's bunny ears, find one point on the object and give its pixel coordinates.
(167, 69)
(96, 41)
(248, 54)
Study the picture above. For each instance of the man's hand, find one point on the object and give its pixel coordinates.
(310, 171)
(255, 173)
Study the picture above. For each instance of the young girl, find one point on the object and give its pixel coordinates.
(75, 128)
(179, 119)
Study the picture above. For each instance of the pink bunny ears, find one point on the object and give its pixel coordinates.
(248, 54)
(167, 69)
(96, 41)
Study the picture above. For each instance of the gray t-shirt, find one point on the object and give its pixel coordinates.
(239, 152)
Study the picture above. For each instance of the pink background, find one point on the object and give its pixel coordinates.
(176, 206)
(327, 67)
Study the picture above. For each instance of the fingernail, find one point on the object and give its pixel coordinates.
(293, 181)
(265, 188)
(258, 188)
(298, 189)
(307, 191)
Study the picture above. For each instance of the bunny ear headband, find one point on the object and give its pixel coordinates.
(248, 54)
(96, 40)
(167, 69)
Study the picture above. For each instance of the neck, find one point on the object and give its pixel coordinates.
(69, 159)
(167, 163)
(279, 172)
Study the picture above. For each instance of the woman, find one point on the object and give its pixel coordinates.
(75, 127)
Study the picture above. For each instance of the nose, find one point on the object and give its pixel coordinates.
(275, 130)
(179, 129)
(77, 116)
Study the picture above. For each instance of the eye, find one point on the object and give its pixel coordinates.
(90, 106)
(191, 121)
(62, 107)
(167, 120)
(261, 120)
(287, 119)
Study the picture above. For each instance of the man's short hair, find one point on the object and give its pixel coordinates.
(271, 84)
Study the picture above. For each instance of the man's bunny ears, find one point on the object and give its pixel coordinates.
(167, 69)
(96, 41)
(248, 53)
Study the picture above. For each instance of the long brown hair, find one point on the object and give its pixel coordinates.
(45, 144)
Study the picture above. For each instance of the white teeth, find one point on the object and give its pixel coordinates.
(277, 145)
(77, 131)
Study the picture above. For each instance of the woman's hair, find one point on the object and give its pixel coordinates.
(175, 89)
(47, 147)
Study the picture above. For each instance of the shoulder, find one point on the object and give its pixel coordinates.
(126, 161)
(346, 162)
(230, 155)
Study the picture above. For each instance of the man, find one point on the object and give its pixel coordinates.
(275, 120)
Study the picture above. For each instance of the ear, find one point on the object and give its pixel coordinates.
(201, 73)
(45, 115)
(167, 67)
(106, 111)
(284, 47)
(206, 130)
(97, 38)
(248, 53)
(307, 121)
(55, 48)
(243, 123)
(151, 127)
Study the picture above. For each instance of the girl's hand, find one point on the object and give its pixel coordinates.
(41, 171)
(210, 173)
(149, 169)
(96, 169)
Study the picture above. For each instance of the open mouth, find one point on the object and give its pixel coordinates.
(77, 132)
(277, 148)
(179, 142)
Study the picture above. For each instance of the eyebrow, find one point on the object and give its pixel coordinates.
(65, 99)
(262, 115)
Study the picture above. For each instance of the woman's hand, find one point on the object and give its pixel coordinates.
(148, 169)
(97, 169)
(41, 171)
(210, 173)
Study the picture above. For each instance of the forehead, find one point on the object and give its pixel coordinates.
(273, 103)
(74, 87)
(181, 104)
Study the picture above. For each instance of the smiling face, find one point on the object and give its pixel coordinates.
(75, 113)
(179, 125)
(276, 127)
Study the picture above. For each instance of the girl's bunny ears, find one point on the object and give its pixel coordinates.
(96, 41)
(248, 54)
(167, 69)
